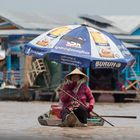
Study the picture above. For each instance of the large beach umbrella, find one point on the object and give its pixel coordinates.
(81, 46)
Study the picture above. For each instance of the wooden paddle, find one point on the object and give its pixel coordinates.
(117, 116)
(86, 107)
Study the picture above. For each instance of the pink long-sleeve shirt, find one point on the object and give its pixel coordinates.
(84, 94)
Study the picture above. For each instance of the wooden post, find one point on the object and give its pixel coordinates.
(27, 65)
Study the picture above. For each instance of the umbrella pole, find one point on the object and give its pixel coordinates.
(88, 74)
(86, 107)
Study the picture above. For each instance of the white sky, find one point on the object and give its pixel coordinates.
(74, 7)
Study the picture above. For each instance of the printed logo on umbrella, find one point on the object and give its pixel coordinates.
(106, 64)
(99, 39)
(73, 42)
(59, 31)
(43, 42)
(106, 52)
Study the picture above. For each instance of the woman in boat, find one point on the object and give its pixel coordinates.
(72, 110)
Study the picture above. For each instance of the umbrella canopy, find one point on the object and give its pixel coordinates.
(81, 46)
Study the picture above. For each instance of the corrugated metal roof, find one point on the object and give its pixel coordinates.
(36, 20)
(127, 23)
(129, 38)
(130, 46)
(96, 18)
(119, 24)
(110, 28)
(30, 21)
(19, 32)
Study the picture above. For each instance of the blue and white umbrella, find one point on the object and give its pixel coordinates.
(81, 46)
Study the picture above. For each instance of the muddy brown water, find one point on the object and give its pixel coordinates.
(18, 120)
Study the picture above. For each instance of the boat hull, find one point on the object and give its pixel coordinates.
(48, 120)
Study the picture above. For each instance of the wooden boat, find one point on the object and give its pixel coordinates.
(52, 118)
(13, 93)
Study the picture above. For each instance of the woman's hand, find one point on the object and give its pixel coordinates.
(90, 107)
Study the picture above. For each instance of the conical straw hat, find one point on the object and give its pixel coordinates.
(77, 71)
